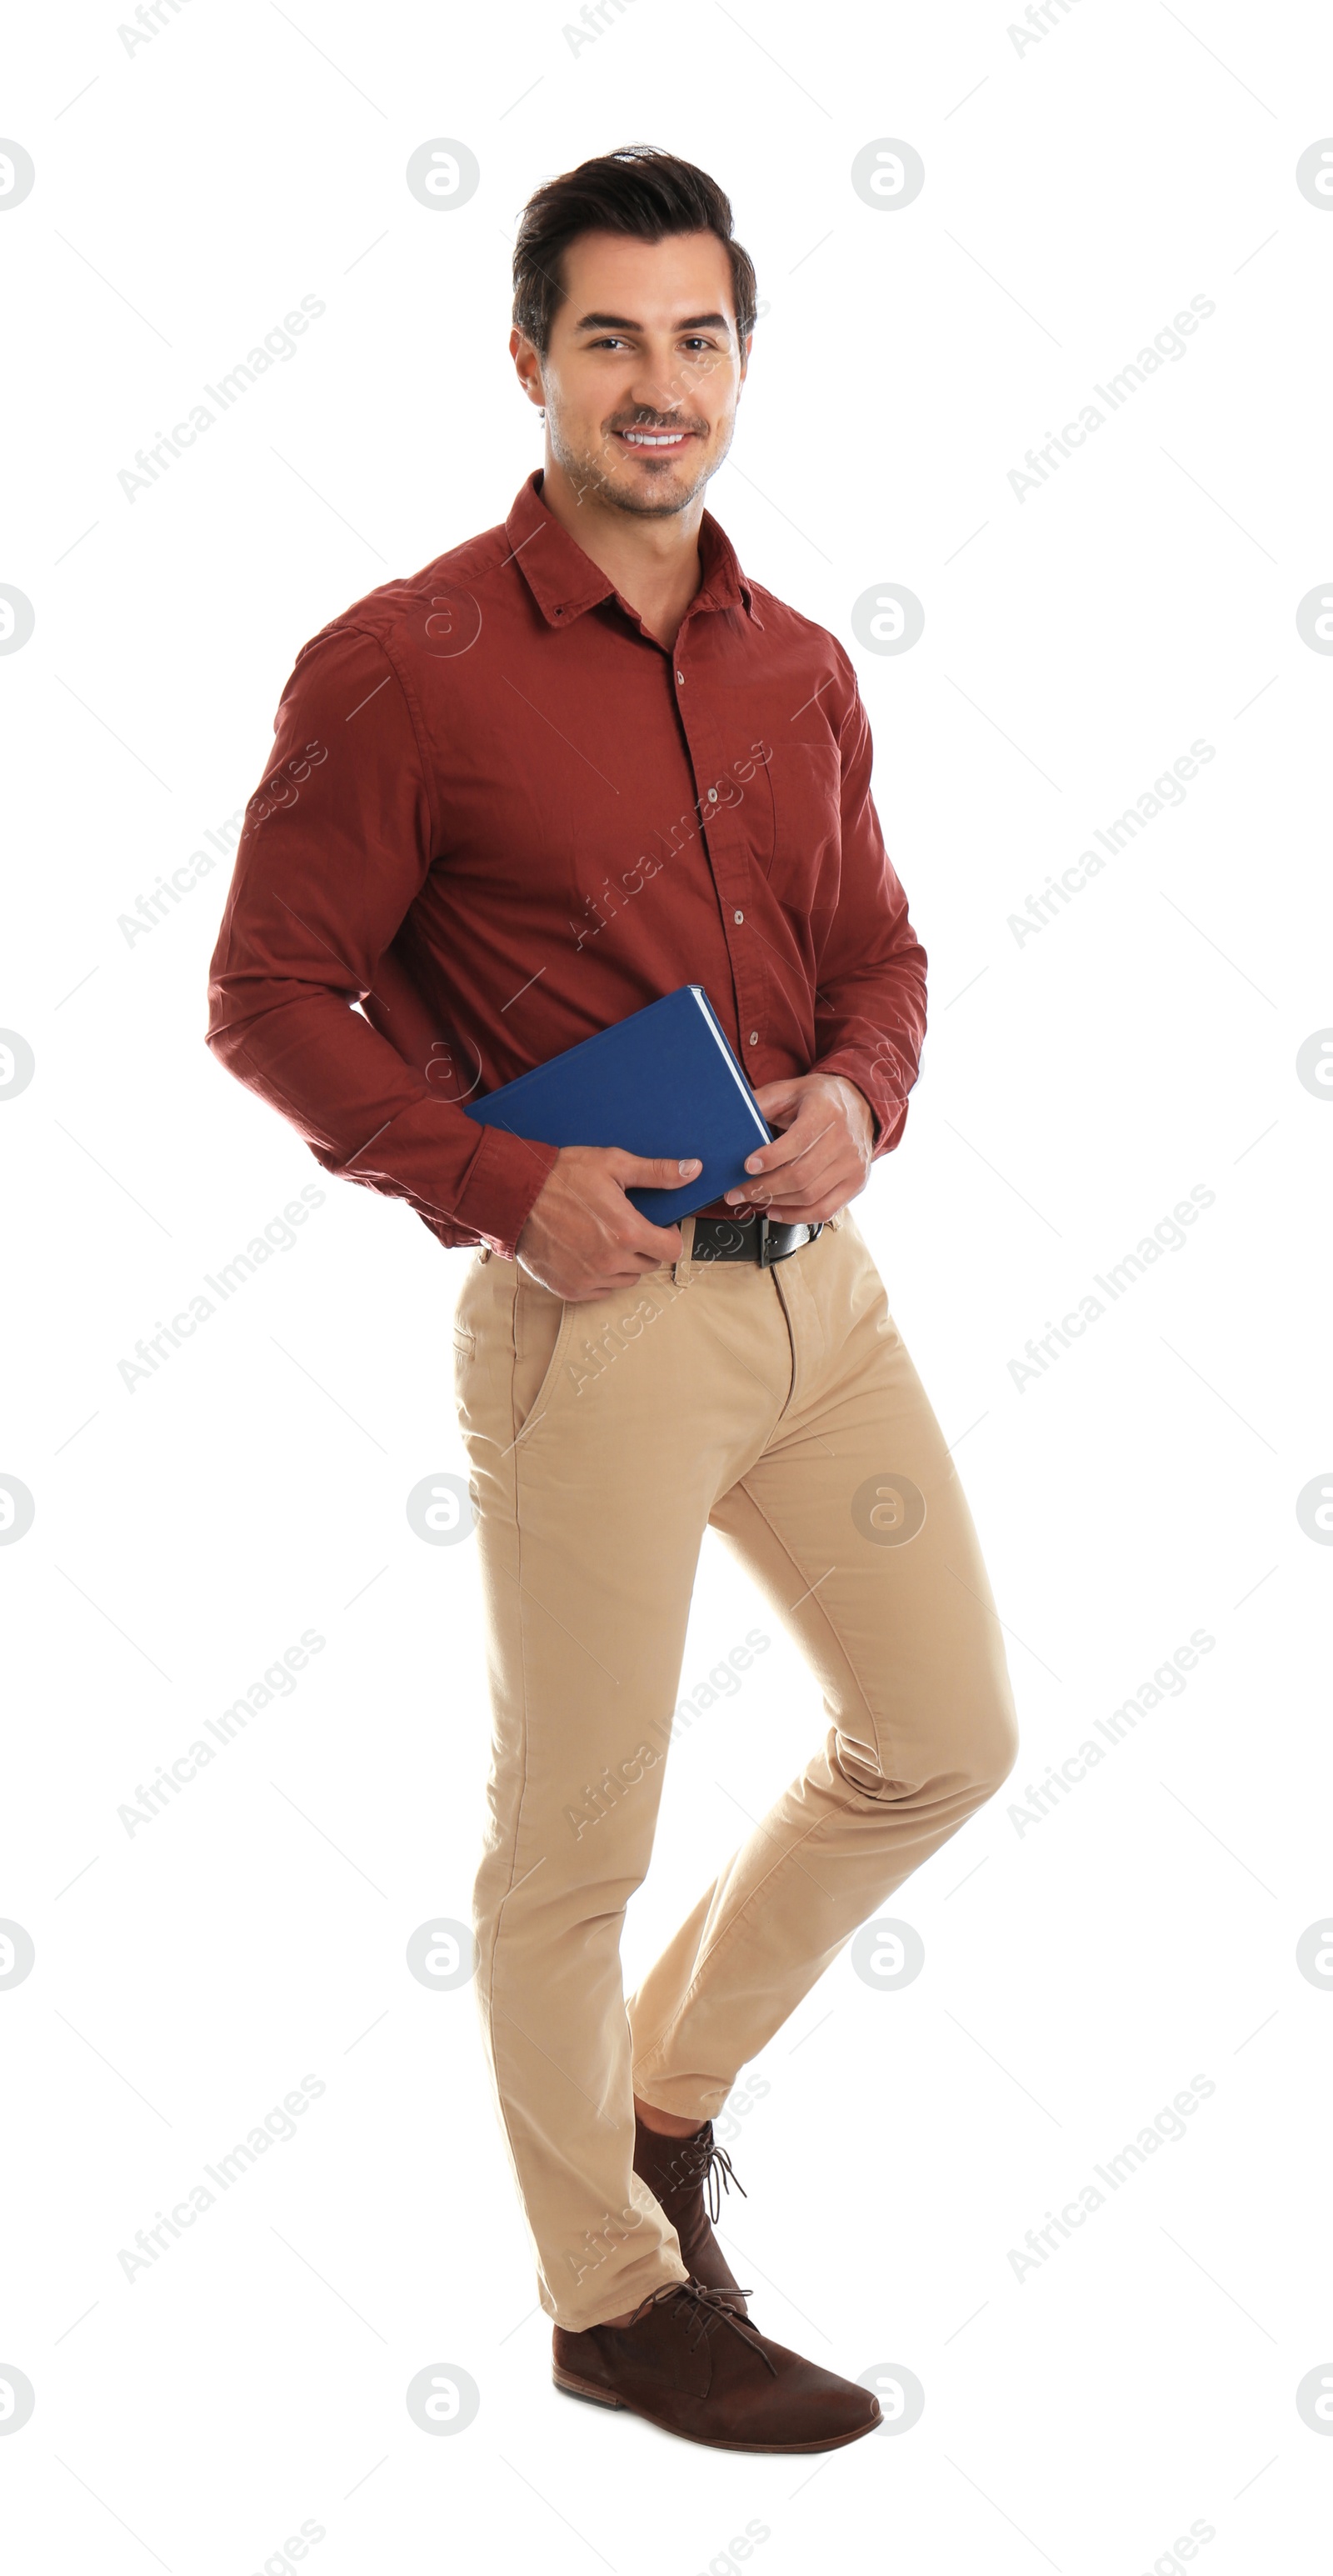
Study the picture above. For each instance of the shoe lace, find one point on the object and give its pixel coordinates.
(706, 2309)
(703, 2161)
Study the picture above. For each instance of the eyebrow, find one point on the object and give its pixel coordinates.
(619, 322)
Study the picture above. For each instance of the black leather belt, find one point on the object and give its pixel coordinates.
(748, 1238)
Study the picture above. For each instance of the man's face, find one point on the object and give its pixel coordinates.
(643, 372)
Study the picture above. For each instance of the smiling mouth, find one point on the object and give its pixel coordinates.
(664, 442)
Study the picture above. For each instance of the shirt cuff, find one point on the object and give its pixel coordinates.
(888, 1110)
(504, 1179)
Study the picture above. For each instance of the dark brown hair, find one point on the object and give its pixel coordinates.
(637, 190)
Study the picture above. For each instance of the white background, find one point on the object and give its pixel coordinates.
(1078, 194)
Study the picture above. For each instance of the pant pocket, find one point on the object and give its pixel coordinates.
(541, 1333)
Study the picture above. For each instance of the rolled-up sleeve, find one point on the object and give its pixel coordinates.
(870, 1000)
(338, 841)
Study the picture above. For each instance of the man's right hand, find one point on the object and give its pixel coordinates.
(582, 1238)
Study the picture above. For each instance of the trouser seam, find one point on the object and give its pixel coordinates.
(843, 1648)
(737, 1919)
(732, 1925)
(523, 1783)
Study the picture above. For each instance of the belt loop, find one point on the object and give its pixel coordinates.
(764, 1261)
(680, 1270)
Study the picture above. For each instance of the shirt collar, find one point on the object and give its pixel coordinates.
(564, 581)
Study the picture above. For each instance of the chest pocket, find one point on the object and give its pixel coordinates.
(803, 782)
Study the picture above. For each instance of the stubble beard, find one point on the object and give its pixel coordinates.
(590, 472)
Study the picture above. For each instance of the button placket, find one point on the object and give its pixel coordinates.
(747, 964)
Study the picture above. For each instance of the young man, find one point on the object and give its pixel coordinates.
(570, 766)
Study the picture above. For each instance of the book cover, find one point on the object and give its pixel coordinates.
(663, 1081)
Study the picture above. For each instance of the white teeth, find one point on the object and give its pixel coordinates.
(649, 438)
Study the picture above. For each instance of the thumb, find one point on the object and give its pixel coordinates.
(774, 1097)
(655, 1171)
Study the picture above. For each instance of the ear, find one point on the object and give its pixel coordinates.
(528, 367)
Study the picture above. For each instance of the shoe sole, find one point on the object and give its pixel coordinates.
(570, 2387)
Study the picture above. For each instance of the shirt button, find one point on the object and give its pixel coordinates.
(712, 796)
(681, 677)
(754, 1037)
(738, 916)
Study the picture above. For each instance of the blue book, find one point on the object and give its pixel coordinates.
(663, 1081)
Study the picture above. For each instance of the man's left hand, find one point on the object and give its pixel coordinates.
(821, 1159)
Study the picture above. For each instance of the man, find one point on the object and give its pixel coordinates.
(569, 767)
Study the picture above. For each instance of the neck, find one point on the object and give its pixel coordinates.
(654, 563)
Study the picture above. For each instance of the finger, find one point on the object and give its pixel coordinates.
(812, 1211)
(651, 1171)
(632, 1240)
(774, 1099)
(809, 1176)
(615, 1282)
(800, 1138)
(603, 1288)
(796, 1207)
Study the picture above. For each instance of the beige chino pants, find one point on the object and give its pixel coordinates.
(780, 1407)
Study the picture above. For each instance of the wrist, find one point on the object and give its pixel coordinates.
(862, 1114)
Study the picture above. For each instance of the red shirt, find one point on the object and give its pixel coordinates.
(500, 816)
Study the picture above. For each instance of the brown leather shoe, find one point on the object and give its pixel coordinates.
(677, 2171)
(693, 2367)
